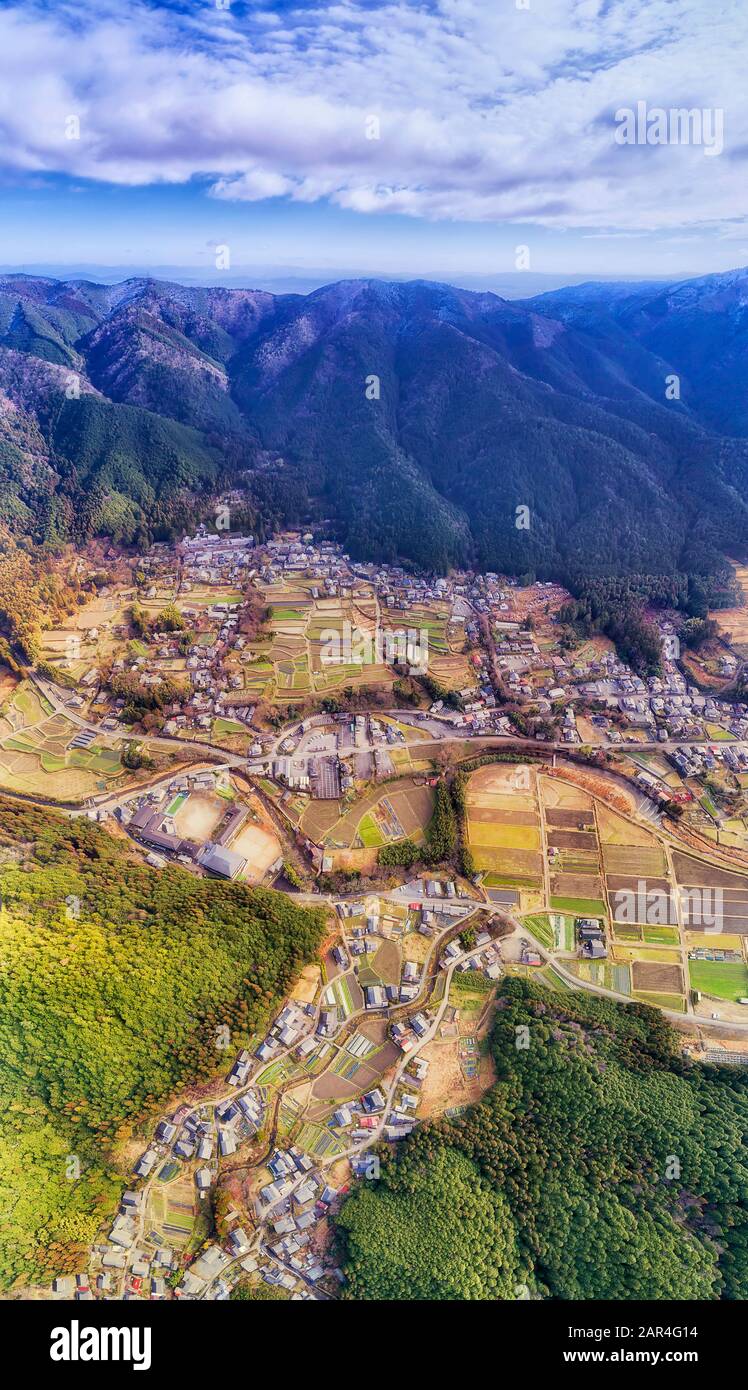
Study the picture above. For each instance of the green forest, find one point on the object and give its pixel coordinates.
(601, 1165)
(116, 984)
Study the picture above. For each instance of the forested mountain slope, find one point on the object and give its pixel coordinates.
(114, 980)
(121, 406)
(599, 1166)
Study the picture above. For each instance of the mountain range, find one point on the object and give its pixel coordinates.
(598, 429)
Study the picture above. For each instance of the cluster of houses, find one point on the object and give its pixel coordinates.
(664, 708)
(362, 1119)
(406, 1033)
(197, 1135)
(283, 1248)
(212, 663)
(290, 1029)
(590, 935)
(699, 761)
(318, 759)
(485, 954)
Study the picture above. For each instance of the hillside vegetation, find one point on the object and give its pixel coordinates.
(115, 980)
(531, 437)
(599, 1166)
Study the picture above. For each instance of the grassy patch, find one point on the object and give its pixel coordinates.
(540, 926)
(723, 979)
(581, 907)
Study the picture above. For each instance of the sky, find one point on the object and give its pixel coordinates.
(468, 140)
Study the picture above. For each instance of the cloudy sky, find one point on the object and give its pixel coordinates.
(429, 137)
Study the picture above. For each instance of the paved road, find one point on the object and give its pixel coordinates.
(440, 729)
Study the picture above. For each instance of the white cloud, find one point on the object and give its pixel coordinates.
(486, 112)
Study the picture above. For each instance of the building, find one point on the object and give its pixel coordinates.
(225, 863)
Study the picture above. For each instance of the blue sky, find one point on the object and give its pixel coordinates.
(326, 139)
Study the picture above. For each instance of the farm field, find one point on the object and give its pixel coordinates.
(223, 727)
(564, 796)
(643, 860)
(503, 824)
(405, 760)
(574, 852)
(626, 954)
(581, 907)
(649, 936)
(37, 754)
(720, 899)
(657, 977)
(87, 638)
(617, 830)
(718, 941)
(676, 1002)
(550, 977)
(540, 925)
(636, 879)
(313, 646)
(604, 973)
(174, 1214)
(734, 621)
(445, 641)
(722, 979)
(384, 815)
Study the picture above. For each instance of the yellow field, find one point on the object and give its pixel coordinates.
(563, 796)
(501, 845)
(642, 860)
(719, 942)
(624, 955)
(499, 800)
(503, 836)
(521, 862)
(616, 830)
(734, 621)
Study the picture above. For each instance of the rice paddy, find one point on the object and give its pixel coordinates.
(503, 824)
(45, 753)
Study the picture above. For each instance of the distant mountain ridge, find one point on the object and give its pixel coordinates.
(430, 423)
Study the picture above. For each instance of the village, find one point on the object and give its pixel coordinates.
(207, 638)
(163, 1242)
(389, 1029)
(281, 715)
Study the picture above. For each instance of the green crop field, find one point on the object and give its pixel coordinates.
(369, 833)
(539, 925)
(723, 979)
(675, 1002)
(227, 726)
(581, 907)
(660, 936)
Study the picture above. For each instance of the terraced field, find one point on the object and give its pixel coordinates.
(445, 642)
(292, 658)
(573, 849)
(503, 826)
(37, 756)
